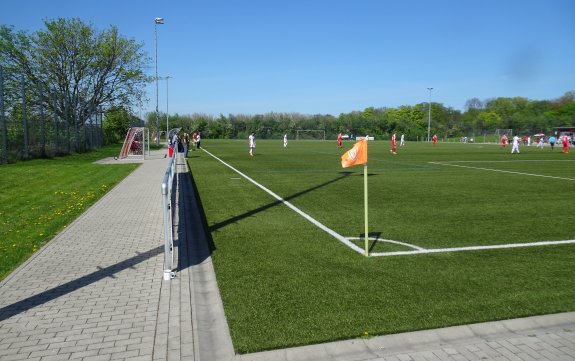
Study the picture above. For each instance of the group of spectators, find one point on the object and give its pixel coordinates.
(182, 144)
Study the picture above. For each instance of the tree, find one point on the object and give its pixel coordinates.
(76, 69)
(488, 121)
(221, 128)
(117, 121)
(473, 103)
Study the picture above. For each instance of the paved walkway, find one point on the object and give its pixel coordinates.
(96, 292)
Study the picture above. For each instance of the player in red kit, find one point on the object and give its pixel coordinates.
(504, 141)
(393, 144)
(434, 138)
(339, 140)
(565, 145)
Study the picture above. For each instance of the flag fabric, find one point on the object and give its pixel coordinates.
(356, 155)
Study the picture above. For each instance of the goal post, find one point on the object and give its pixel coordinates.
(310, 134)
(136, 143)
(498, 134)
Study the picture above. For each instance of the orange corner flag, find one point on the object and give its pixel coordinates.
(356, 155)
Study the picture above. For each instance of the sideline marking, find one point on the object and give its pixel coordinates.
(507, 161)
(473, 248)
(418, 250)
(331, 232)
(389, 241)
(502, 171)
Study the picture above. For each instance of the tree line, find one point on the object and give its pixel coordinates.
(480, 117)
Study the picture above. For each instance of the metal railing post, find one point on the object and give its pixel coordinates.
(167, 187)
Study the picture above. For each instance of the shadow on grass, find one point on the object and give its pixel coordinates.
(372, 243)
(193, 236)
(276, 203)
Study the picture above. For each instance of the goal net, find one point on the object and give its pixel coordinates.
(499, 133)
(135, 143)
(310, 134)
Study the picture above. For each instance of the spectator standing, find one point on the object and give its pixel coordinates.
(186, 143)
(194, 136)
(198, 139)
(175, 140)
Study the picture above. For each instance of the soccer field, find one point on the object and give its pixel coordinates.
(286, 225)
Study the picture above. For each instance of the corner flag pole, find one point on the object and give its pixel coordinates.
(365, 209)
(356, 156)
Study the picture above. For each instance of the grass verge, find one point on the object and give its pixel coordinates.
(40, 197)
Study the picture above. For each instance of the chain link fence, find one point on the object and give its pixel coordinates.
(31, 130)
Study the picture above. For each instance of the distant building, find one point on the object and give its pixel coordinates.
(568, 131)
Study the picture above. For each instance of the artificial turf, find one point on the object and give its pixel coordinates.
(284, 282)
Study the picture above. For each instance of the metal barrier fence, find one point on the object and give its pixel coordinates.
(167, 210)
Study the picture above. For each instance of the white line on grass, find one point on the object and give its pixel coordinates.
(417, 250)
(507, 161)
(473, 248)
(502, 171)
(331, 232)
(388, 241)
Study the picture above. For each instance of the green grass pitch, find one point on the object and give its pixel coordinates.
(285, 282)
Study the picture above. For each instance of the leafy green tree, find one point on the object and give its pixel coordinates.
(488, 121)
(117, 121)
(221, 128)
(76, 68)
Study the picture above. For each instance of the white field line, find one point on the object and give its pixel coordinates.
(331, 232)
(417, 250)
(502, 171)
(508, 161)
(473, 248)
(389, 241)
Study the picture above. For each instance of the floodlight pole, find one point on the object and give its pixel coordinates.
(429, 118)
(167, 109)
(156, 22)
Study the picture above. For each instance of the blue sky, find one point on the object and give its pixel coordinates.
(334, 56)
